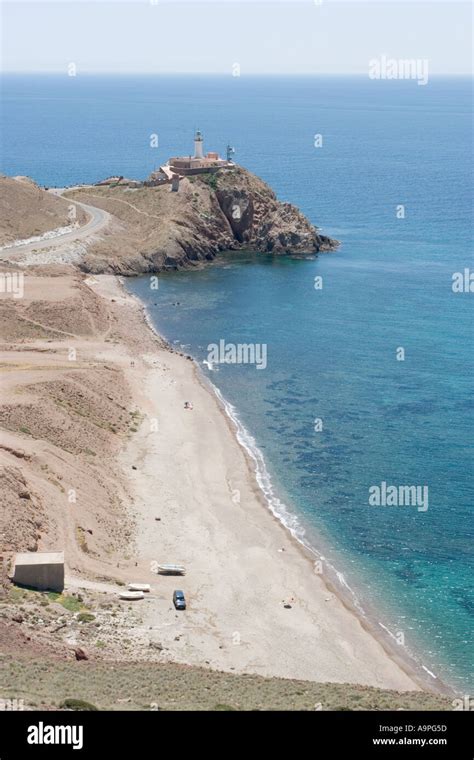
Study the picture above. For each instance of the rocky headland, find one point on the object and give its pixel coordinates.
(157, 229)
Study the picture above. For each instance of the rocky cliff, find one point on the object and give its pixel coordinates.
(158, 229)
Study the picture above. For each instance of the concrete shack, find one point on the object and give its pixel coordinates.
(41, 570)
(174, 183)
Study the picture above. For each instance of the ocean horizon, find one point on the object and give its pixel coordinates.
(339, 408)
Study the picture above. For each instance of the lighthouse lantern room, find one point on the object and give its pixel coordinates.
(198, 145)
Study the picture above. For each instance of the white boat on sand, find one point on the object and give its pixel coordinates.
(171, 570)
(131, 596)
(139, 587)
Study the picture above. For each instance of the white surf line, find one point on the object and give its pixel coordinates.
(285, 516)
(280, 511)
(409, 652)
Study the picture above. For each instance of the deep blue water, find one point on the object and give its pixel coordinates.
(331, 352)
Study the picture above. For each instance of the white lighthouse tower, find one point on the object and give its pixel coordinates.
(198, 145)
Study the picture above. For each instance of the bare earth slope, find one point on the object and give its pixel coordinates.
(26, 210)
(63, 415)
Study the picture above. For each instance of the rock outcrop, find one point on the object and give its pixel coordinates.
(157, 229)
(261, 222)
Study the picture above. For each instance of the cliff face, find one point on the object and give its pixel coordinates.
(157, 229)
(261, 222)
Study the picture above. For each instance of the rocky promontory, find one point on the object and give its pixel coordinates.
(157, 229)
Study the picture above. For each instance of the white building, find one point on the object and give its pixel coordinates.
(200, 163)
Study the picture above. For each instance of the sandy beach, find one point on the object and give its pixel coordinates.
(153, 483)
(195, 502)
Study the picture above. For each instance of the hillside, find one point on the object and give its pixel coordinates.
(62, 422)
(26, 210)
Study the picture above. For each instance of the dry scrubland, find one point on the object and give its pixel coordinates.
(44, 675)
(180, 687)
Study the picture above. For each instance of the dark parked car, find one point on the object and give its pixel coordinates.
(178, 600)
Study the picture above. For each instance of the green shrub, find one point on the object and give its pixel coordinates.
(77, 704)
(85, 617)
(69, 603)
(209, 179)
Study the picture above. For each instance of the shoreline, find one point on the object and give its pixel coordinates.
(334, 581)
(173, 484)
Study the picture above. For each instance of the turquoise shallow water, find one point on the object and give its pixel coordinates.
(332, 356)
(331, 352)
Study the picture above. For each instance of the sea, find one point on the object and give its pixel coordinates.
(367, 382)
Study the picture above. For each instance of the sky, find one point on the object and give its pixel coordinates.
(267, 37)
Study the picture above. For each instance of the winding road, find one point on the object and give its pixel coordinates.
(97, 221)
